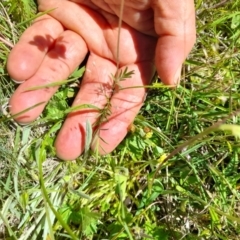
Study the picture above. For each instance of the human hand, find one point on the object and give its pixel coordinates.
(153, 33)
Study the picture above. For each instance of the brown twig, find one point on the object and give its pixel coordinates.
(220, 4)
(119, 32)
(6, 42)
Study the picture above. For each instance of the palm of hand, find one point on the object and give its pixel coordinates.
(57, 43)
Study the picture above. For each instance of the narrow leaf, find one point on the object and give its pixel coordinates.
(88, 138)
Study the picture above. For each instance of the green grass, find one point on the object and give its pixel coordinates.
(137, 192)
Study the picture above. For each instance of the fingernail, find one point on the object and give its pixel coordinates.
(17, 82)
(177, 76)
(23, 124)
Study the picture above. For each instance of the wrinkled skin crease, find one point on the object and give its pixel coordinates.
(102, 33)
(49, 51)
(137, 15)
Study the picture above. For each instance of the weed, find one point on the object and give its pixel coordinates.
(172, 177)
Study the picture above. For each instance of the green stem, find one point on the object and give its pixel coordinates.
(45, 195)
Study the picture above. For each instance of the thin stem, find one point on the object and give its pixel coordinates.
(119, 31)
(210, 129)
(6, 42)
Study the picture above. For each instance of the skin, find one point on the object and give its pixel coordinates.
(155, 35)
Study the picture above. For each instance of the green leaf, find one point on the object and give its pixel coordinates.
(54, 84)
(215, 218)
(81, 107)
(88, 138)
(89, 221)
(78, 73)
(121, 175)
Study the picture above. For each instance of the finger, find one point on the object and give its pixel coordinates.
(125, 105)
(101, 33)
(95, 89)
(27, 55)
(175, 24)
(67, 53)
(80, 19)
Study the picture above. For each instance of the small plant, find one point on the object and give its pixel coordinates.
(122, 75)
(175, 175)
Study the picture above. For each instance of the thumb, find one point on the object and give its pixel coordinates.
(174, 22)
